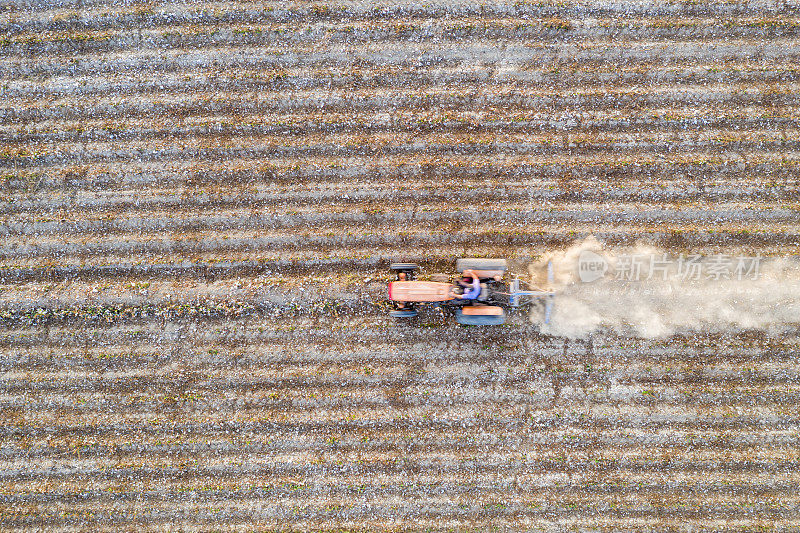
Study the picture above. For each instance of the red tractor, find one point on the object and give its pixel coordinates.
(480, 297)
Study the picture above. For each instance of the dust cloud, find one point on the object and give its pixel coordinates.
(647, 292)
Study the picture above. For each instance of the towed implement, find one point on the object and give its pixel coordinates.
(480, 297)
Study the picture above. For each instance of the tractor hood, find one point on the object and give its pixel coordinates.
(419, 291)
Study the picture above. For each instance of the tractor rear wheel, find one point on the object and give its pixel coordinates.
(475, 263)
(479, 320)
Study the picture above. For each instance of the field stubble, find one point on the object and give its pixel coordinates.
(199, 202)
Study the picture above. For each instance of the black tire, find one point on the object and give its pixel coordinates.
(404, 313)
(403, 266)
(474, 263)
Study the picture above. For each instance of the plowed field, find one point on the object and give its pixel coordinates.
(199, 203)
